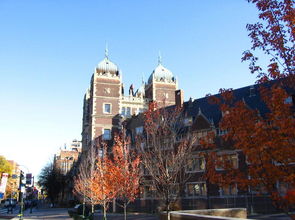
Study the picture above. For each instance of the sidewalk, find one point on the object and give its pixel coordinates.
(49, 213)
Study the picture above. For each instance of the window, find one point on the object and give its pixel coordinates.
(288, 100)
(128, 111)
(188, 121)
(148, 191)
(228, 190)
(107, 108)
(228, 160)
(196, 164)
(196, 189)
(106, 134)
(283, 188)
(123, 112)
(139, 130)
(140, 110)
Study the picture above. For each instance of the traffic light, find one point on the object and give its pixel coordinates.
(22, 177)
(28, 179)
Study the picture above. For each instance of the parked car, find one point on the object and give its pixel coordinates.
(78, 210)
(11, 202)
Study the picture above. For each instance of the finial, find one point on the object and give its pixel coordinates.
(159, 58)
(106, 51)
(142, 77)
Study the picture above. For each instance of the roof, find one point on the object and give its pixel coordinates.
(161, 73)
(249, 94)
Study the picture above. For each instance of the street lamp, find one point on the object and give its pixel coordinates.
(22, 190)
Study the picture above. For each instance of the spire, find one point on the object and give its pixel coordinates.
(106, 51)
(159, 58)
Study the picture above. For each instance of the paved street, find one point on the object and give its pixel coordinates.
(62, 213)
(129, 217)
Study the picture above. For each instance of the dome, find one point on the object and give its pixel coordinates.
(161, 74)
(107, 66)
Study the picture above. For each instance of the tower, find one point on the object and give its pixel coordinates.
(102, 102)
(161, 85)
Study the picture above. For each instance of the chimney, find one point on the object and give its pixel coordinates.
(179, 96)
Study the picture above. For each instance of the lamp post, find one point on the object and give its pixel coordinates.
(20, 196)
(21, 191)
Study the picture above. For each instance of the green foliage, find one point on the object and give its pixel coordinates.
(5, 166)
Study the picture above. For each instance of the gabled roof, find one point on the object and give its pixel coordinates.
(249, 94)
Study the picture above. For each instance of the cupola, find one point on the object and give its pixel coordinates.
(161, 74)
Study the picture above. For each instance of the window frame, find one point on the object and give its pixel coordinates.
(198, 164)
(103, 134)
(202, 194)
(105, 112)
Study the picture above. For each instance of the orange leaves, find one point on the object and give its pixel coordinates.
(101, 183)
(115, 175)
(275, 36)
(290, 197)
(267, 141)
(124, 170)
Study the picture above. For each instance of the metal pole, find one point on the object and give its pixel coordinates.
(20, 198)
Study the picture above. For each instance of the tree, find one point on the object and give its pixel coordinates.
(165, 148)
(52, 181)
(85, 173)
(266, 139)
(5, 166)
(101, 183)
(124, 171)
(274, 35)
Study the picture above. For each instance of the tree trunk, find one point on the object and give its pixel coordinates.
(104, 211)
(83, 213)
(125, 210)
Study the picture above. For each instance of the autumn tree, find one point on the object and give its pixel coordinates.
(101, 183)
(82, 179)
(5, 166)
(124, 171)
(266, 138)
(165, 147)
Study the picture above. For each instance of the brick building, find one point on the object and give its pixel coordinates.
(66, 158)
(106, 104)
(203, 117)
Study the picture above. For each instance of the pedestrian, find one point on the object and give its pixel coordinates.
(31, 206)
(10, 207)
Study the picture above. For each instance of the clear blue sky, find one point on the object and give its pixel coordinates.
(49, 48)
